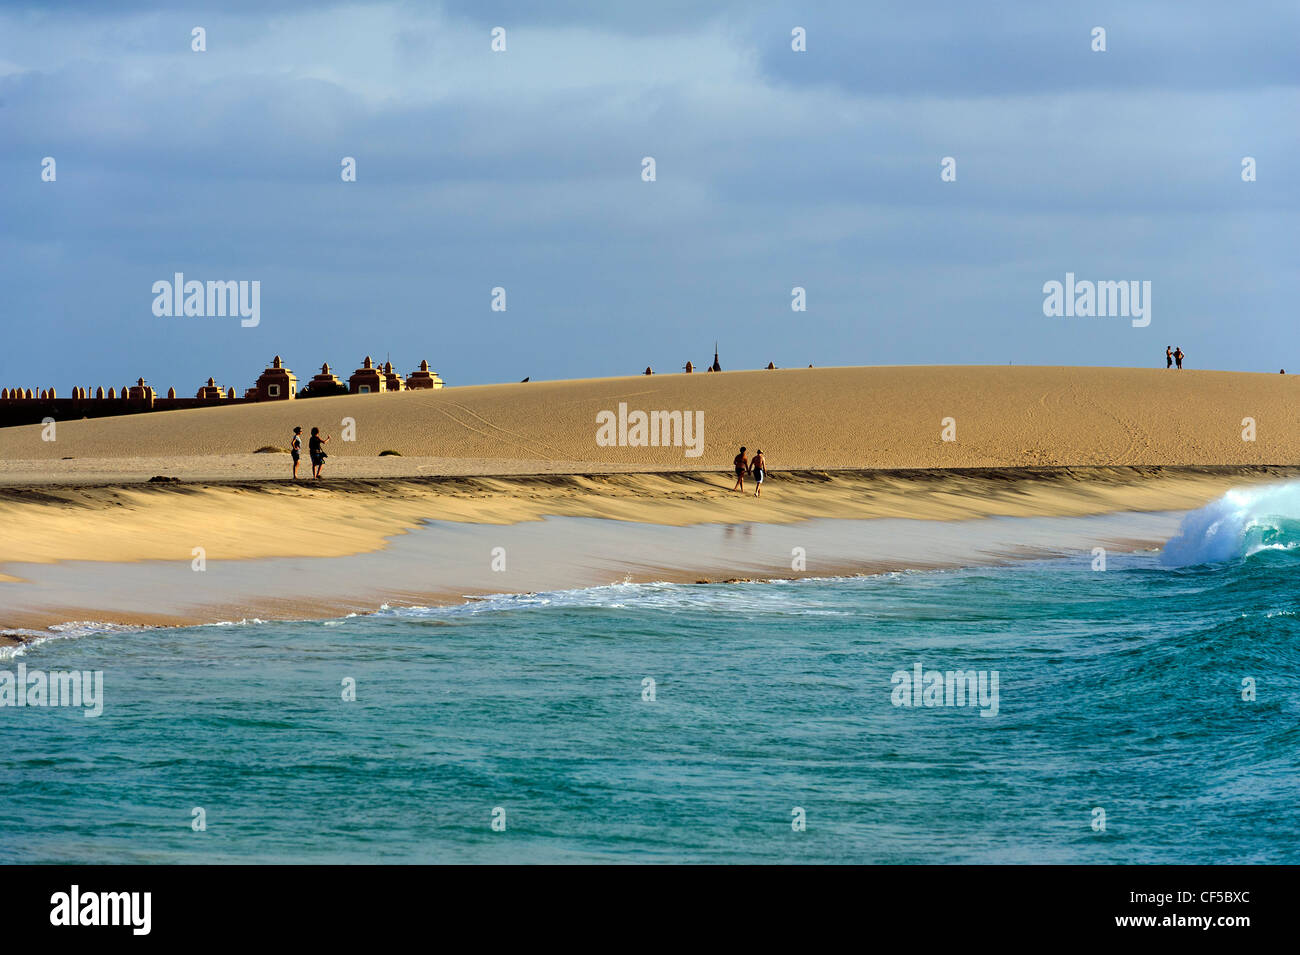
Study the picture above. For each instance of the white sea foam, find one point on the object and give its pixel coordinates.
(1241, 523)
(60, 631)
(756, 596)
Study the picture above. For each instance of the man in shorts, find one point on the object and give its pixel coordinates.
(742, 465)
(759, 470)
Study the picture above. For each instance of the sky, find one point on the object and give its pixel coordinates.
(523, 170)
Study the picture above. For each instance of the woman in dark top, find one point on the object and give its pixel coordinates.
(295, 449)
(318, 454)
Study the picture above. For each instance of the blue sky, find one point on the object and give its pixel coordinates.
(522, 170)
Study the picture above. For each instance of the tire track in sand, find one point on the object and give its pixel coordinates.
(513, 437)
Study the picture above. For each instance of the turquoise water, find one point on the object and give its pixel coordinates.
(1118, 690)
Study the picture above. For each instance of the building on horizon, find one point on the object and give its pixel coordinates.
(366, 379)
(392, 380)
(324, 384)
(209, 392)
(276, 383)
(423, 379)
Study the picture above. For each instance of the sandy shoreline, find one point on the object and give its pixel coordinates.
(441, 563)
(56, 536)
(848, 444)
(258, 519)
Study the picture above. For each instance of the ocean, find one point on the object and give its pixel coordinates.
(1147, 712)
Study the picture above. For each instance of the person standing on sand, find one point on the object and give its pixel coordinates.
(295, 448)
(759, 468)
(742, 465)
(1178, 357)
(1169, 358)
(318, 454)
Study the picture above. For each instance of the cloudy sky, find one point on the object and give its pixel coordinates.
(523, 169)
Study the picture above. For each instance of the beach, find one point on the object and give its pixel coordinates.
(843, 444)
(585, 433)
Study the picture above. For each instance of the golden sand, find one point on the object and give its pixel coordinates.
(840, 443)
(805, 419)
(352, 516)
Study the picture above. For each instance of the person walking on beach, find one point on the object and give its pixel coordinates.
(295, 449)
(742, 465)
(759, 468)
(318, 454)
(1169, 358)
(1178, 358)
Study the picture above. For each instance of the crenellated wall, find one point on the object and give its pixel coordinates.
(34, 410)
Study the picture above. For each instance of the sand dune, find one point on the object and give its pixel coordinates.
(888, 417)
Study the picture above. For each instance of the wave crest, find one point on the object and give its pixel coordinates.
(1238, 525)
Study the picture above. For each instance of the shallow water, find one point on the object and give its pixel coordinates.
(441, 562)
(1118, 690)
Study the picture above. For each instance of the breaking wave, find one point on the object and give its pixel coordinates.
(1238, 525)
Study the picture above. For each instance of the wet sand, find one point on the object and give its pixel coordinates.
(446, 562)
(126, 553)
